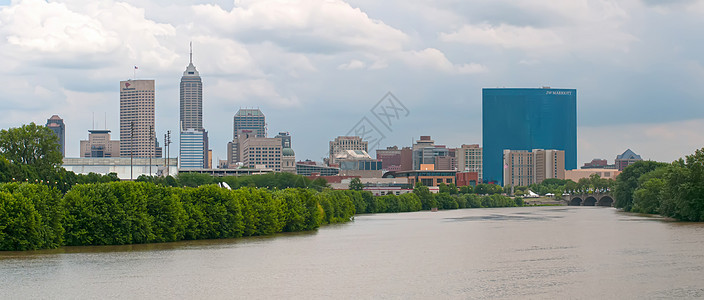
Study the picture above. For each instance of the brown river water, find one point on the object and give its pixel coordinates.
(501, 253)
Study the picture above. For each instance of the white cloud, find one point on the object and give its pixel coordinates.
(352, 65)
(306, 25)
(431, 58)
(506, 36)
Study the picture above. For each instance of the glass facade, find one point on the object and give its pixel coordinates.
(526, 119)
(191, 149)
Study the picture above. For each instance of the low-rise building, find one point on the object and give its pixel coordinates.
(122, 166)
(577, 174)
(99, 144)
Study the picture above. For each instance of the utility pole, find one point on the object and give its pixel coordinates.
(167, 141)
(131, 149)
(151, 147)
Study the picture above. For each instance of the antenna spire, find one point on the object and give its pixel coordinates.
(191, 53)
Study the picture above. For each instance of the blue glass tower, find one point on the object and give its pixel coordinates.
(526, 119)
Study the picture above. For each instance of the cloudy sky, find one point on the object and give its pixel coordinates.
(317, 68)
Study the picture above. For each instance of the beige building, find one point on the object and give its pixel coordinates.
(577, 174)
(99, 144)
(523, 168)
(469, 159)
(259, 151)
(137, 118)
(342, 143)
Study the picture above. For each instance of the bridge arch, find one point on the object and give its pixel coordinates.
(589, 201)
(605, 201)
(576, 201)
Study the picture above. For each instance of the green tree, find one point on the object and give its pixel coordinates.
(319, 184)
(427, 199)
(683, 194)
(32, 148)
(356, 184)
(627, 182)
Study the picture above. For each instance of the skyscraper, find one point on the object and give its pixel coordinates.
(191, 98)
(247, 123)
(56, 124)
(191, 119)
(137, 118)
(249, 119)
(526, 119)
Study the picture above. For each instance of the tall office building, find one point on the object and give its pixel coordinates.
(247, 123)
(249, 119)
(525, 119)
(137, 131)
(191, 98)
(56, 124)
(191, 119)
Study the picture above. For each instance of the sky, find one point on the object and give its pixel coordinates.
(319, 68)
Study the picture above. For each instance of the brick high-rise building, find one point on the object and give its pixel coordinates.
(137, 132)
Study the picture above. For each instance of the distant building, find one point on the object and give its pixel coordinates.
(626, 159)
(99, 144)
(342, 143)
(191, 150)
(56, 124)
(191, 119)
(577, 174)
(121, 166)
(428, 178)
(406, 159)
(247, 123)
(358, 163)
(523, 168)
(259, 151)
(598, 163)
(390, 158)
(469, 159)
(288, 156)
(426, 152)
(137, 118)
(309, 168)
(249, 119)
(467, 178)
(525, 119)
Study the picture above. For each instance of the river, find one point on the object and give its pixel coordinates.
(503, 253)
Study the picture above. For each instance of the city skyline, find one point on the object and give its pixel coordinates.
(319, 84)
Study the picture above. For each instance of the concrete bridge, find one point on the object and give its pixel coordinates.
(593, 199)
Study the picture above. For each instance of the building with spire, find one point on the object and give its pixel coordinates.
(193, 139)
(56, 124)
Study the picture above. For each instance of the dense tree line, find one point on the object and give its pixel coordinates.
(673, 190)
(35, 216)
